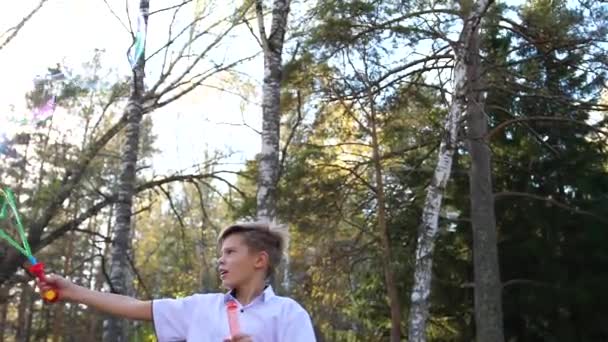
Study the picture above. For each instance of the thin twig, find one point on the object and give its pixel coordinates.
(118, 18)
(15, 30)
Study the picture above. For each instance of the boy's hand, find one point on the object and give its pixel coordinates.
(65, 287)
(239, 338)
(110, 303)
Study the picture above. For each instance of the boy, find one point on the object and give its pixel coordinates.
(250, 253)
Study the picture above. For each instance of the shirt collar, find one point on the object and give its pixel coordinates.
(266, 295)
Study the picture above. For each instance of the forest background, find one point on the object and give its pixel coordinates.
(438, 166)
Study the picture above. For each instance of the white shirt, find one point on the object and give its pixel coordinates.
(204, 318)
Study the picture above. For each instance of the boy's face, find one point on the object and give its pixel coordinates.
(238, 265)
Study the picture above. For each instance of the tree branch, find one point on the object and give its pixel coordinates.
(552, 201)
(259, 10)
(502, 125)
(15, 29)
(292, 133)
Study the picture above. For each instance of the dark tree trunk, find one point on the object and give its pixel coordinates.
(488, 288)
(387, 260)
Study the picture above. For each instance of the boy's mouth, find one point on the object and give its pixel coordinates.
(223, 273)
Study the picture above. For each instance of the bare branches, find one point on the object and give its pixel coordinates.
(398, 74)
(173, 208)
(395, 23)
(178, 6)
(182, 226)
(172, 39)
(72, 177)
(118, 18)
(197, 80)
(235, 93)
(13, 31)
(250, 28)
(111, 199)
(140, 280)
(189, 78)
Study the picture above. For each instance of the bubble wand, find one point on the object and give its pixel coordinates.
(7, 199)
(137, 49)
(233, 318)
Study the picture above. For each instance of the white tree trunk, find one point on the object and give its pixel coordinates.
(427, 232)
(116, 329)
(272, 45)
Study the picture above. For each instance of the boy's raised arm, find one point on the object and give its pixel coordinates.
(110, 303)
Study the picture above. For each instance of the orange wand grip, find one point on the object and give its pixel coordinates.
(233, 318)
(50, 295)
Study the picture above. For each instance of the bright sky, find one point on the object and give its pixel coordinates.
(70, 30)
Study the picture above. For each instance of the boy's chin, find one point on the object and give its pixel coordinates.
(228, 284)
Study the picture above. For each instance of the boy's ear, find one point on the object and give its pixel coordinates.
(261, 260)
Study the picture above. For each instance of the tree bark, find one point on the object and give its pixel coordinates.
(488, 287)
(428, 229)
(116, 329)
(389, 276)
(272, 45)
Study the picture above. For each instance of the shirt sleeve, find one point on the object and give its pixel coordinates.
(298, 327)
(171, 318)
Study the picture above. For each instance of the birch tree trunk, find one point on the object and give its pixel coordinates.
(488, 287)
(272, 45)
(428, 229)
(115, 329)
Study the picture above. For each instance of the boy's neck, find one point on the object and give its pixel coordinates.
(247, 293)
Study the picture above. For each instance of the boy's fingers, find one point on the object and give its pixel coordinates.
(51, 278)
(50, 282)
